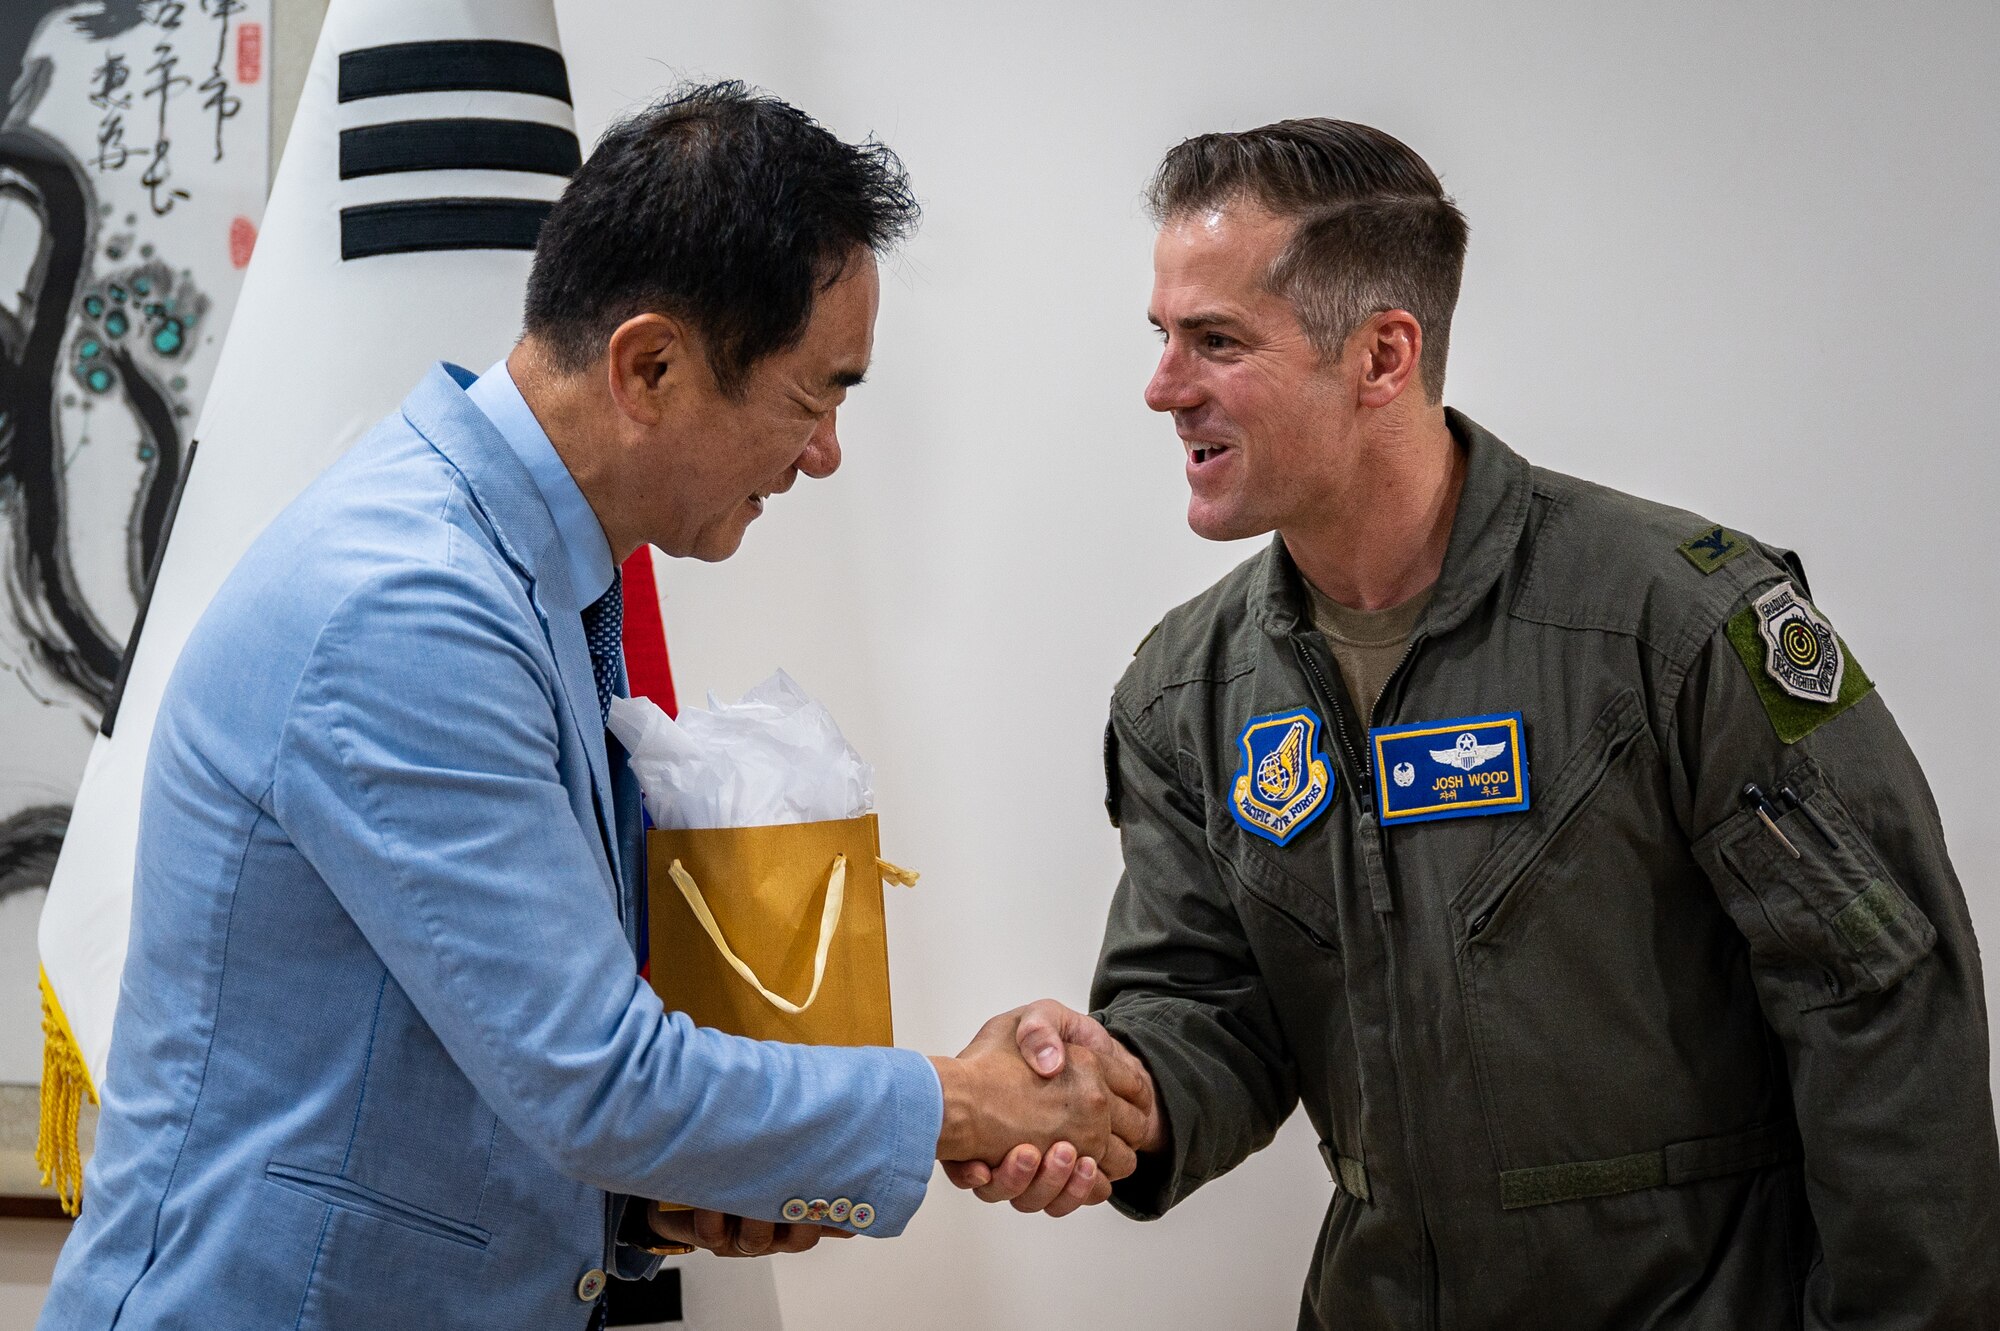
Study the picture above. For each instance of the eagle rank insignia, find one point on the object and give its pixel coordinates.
(1801, 651)
(1285, 780)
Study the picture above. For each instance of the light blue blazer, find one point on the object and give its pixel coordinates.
(382, 1058)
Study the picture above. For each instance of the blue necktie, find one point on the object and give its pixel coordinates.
(604, 633)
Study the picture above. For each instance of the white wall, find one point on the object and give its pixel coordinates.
(1740, 261)
(1735, 257)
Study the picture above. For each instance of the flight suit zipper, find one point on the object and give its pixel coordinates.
(1368, 833)
(1331, 701)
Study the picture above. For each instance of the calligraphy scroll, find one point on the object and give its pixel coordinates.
(134, 158)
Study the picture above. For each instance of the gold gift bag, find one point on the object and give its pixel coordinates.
(774, 932)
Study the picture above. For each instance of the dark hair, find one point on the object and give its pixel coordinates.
(1376, 231)
(727, 208)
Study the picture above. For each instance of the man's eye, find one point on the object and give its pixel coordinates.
(1216, 341)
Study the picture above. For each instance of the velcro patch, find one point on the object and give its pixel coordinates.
(1712, 547)
(1285, 779)
(1460, 768)
(1802, 671)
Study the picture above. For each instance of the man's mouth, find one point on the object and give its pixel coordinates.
(1199, 454)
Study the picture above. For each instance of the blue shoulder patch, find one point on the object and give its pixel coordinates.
(1285, 779)
(1460, 768)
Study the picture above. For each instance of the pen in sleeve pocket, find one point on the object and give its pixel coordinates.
(1754, 797)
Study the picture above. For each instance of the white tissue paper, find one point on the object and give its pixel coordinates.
(776, 756)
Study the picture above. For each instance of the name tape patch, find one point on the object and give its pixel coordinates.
(1461, 768)
(1285, 779)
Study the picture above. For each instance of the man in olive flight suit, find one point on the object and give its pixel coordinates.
(1547, 843)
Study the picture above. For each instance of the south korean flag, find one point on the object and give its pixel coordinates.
(1801, 651)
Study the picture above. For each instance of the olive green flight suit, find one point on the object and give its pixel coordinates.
(1631, 1058)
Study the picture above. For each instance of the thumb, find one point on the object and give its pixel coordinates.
(1040, 1043)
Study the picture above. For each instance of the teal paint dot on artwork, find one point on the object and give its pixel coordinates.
(118, 295)
(87, 348)
(146, 251)
(98, 380)
(116, 323)
(154, 309)
(145, 455)
(114, 253)
(168, 341)
(178, 383)
(93, 305)
(142, 285)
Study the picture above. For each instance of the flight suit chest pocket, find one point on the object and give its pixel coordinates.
(1823, 917)
(1614, 744)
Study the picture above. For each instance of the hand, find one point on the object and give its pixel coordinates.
(994, 1101)
(1059, 1182)
(735, 1236)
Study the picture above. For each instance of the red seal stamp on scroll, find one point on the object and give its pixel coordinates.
(250, 53)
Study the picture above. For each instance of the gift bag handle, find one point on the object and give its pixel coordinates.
(829, 920)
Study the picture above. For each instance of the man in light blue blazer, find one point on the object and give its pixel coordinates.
(382, 1056)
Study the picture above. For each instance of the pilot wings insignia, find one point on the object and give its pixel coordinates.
(1284, 782)
(1468, 753)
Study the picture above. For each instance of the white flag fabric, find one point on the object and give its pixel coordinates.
(429, 140)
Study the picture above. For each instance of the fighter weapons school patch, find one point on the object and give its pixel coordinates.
(1801, 652)
(1460, 768)
(1285, 779)
(1803, 673)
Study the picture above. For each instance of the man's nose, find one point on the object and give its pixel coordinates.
(822, 456)
(1170, 389)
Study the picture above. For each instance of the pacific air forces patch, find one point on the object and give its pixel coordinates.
(1285, 780)
(1800, 650)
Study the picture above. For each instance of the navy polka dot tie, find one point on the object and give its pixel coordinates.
(604, 631)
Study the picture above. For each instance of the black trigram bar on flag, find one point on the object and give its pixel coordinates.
(446, 219)
(453, 66)
(416, 225)
(458, 145)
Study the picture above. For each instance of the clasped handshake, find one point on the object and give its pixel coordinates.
(1044, 1110)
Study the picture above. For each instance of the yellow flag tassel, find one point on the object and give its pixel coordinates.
(65, 1085)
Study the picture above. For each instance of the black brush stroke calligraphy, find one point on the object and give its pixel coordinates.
(43, 598)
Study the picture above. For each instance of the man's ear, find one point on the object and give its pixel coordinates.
(1388, 346)
(650, 357)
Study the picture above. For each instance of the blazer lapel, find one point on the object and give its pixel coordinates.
(439, 410)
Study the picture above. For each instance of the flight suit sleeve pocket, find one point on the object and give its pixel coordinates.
(1823, 916)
